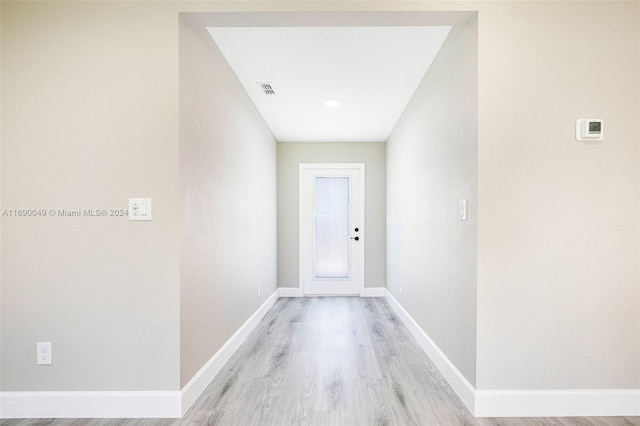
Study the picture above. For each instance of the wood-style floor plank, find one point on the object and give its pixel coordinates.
(330, 361)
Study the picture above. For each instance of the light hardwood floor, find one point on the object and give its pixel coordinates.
(331, 361)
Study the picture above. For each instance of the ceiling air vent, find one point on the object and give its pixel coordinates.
(266, 87)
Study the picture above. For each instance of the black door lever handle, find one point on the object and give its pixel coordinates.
(355, 238)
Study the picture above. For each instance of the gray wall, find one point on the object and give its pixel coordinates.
(227, 202)
(431, 166)
(558, 219)
(90, 118)
(290, 155)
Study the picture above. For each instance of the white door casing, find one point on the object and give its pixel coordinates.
(343, 273)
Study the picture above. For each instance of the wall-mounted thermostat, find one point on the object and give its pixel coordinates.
(589, 129)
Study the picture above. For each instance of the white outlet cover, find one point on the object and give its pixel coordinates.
(43, 353)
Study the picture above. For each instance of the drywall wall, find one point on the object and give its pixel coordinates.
(558, 285)
(558, 241)
(89, 113)
(290, 155)
(227, 201)
(431, 166)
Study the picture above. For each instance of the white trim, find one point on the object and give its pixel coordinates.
(373, 292)
(363, 223)
(522, 403)
(458, 382)
(363, 208)
(301, 168)
(558, 403)
(38, 405)
(290, 292)
(199, 382)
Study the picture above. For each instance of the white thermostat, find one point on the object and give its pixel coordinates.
(588, 129)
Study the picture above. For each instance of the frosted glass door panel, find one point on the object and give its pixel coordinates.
(331, 208)
(331, 233)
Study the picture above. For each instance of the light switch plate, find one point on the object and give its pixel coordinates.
(139, 208)
(463, 210)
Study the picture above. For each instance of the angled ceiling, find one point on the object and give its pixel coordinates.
(372, 71)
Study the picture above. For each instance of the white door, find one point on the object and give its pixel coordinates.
(332, 229)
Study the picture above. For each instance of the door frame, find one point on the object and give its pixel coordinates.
(360, 247)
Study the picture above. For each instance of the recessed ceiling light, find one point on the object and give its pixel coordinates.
(331, 103)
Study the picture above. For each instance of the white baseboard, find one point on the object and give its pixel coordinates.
(199, 382)
(458, 382)
(87, 405)
(558, 403)
(290, 292)
(373, 292)
(522, 403)
(297, 292)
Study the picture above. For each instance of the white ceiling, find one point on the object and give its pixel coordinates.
(371, 71)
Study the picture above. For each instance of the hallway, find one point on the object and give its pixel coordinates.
(346, 361)
(330, 361)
